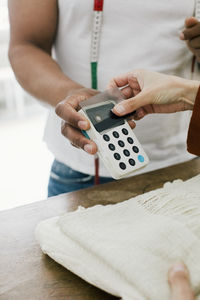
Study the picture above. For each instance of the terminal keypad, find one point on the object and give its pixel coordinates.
(125, 150)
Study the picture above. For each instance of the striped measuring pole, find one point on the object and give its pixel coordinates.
(95, 40)
(95, 43)
(197, 10)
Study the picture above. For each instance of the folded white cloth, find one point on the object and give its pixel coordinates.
(127, 249)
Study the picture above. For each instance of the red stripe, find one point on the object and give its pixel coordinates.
(98, 5)
(193, 64)
(96, 178)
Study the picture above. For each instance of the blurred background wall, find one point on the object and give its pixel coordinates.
(24, 159)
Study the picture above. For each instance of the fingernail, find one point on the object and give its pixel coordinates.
(120, 109)
(182, 37)
(83, 124)
(178, 267)
(88, 148)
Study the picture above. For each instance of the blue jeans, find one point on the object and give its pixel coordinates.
(63, 179)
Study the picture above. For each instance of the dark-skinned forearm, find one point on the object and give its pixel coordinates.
(39, 74)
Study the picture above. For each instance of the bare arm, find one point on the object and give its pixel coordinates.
(152, 92)
(33, 29)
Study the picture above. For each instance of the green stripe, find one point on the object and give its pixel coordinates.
(94, 75)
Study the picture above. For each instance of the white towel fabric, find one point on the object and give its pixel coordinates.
(127, 249)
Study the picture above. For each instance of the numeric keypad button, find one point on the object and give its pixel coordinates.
(121, 143)
(135, 149)
(117, 156)
(141, 158)
(115, 134)
(126, 152)
(106, 138)
(125, 131)
(122, 166)
(111, 147)
(131, 162)
(130, 140)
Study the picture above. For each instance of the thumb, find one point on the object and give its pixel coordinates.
(190, 22)
(178, 278)
(128, 106)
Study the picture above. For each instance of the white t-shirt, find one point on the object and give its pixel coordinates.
(135, 34)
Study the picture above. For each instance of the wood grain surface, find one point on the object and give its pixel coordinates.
(25, 273)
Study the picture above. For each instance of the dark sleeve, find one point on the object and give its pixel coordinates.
(193, 139)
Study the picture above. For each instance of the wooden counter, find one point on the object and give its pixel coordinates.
(27, 274)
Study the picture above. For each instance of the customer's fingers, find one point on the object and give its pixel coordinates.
(179, 282)
(67, 110)
(78, 139)
(127, 92)
(128, 82)
(132, 104)
(134, 79)
(161, 109)
(119, 81)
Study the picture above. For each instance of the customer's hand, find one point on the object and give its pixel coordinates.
(151, 92)
(191, 35)
(73, 122)
(179, 282)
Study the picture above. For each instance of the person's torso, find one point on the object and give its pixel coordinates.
(135, 34)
